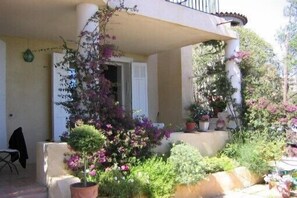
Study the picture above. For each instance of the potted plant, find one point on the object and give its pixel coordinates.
(196, 111)
(85, 140)
(204, 122)
(190, 124)
(217, 105)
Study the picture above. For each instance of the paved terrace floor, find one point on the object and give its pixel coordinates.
(22, 185)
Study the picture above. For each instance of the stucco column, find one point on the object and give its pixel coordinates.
(3, 128)
(84, 12)
(232, 68)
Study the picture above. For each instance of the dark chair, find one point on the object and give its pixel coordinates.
(17, 151)
(7, 158)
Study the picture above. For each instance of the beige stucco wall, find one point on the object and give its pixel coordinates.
(170, 100)
(152, 79)
(28, 91)
(28, 88)
(175, 89)
(187, 84)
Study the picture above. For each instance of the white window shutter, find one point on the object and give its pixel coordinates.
(139, 89)
(59, 115)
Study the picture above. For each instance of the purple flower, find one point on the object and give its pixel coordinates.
(290, 108)
(101, 156)
(73, 162)
(167, 134)
(108, 51)
(204, 118)
(294, 121)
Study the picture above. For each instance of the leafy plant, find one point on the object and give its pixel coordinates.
(157, 177)
(115, 183)
(187, 163)
(197, 111)
(123, 146)
(254, 149)
(217, 164)
(211, 79)
(266, 115)
(85, 140)
(189, 120)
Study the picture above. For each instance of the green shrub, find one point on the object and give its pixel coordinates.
(86, 139)
(188, 163)
(115, 184)
(156, 176)
(217, 164)
(251, 158)
(255, 149)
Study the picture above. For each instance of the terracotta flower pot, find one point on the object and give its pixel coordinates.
(190, 126)
(78, 190)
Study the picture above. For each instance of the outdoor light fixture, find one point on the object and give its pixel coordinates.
(28, 56)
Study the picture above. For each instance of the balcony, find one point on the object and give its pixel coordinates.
(207, 6)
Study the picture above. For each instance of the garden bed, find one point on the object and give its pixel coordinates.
(219, 183)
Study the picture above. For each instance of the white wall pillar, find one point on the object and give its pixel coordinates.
(232, 68)
(84, 12)
(3, 127)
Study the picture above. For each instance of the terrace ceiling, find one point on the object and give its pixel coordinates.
(51, 19)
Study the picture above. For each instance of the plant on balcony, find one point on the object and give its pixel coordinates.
(197, 111)
(217, 105)
(190, 124)
(204, 122)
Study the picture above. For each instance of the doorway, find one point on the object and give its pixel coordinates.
(114, 73)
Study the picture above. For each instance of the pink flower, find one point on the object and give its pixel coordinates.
(124, 168)
(239, 56)
(204, 118)
(283, 120)
(92, 172)
(92, 167)
(109, 126)
(272, 108)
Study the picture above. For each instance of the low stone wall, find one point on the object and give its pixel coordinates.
(219, 183)
(50, 169)
(208, 143)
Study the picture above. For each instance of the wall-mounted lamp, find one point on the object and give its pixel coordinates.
(28, 56)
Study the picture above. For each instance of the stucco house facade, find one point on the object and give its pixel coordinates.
(153, 76)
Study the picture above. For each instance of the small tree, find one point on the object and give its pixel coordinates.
(85, 140)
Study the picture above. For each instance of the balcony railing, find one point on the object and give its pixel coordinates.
(208, 6)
